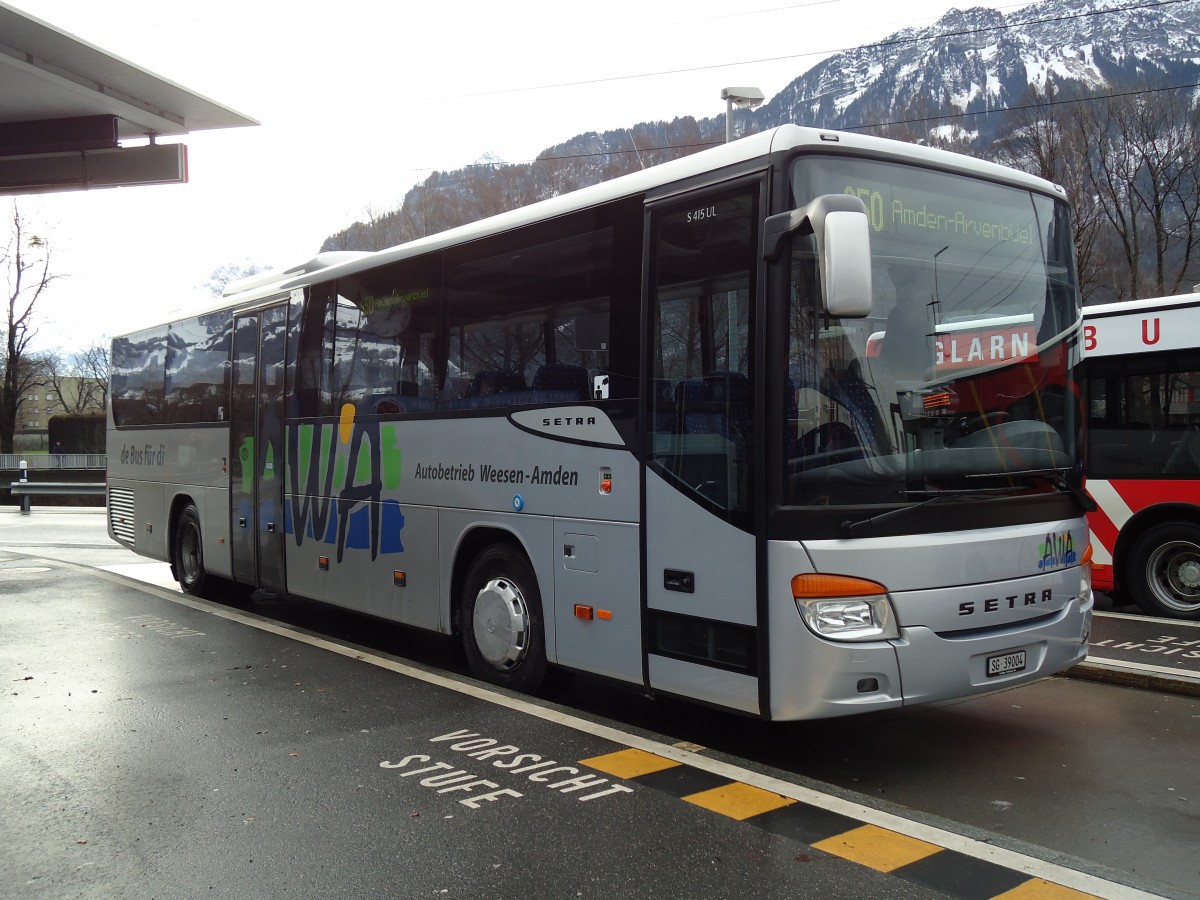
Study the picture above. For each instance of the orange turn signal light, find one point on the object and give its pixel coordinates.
(819, 584)
(587, 613)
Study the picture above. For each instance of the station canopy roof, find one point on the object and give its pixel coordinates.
(66, 106)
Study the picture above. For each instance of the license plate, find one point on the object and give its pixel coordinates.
(1006, 663)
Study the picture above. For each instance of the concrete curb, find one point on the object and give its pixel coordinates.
(1113, 672)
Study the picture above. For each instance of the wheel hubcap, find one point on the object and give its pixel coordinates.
(1174, 570)
(189, 554)
(501, 623)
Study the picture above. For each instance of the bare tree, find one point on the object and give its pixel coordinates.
(1145, 170)
(229, 273)
(26, 261)
(80, 381)
(93, 366)
(1043, 137)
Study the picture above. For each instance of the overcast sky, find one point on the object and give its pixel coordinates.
(361, 99)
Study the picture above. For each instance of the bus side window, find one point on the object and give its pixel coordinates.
(1141, 419)
(197, 384)
(529, 316)
(138, 376)
(362, 363)
(700, 387)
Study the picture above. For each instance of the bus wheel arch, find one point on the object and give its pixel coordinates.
(499, 613)
(1133, 530)
(1161, 567)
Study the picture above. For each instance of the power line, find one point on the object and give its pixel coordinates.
(698, 146)
(983, 112)
(1008, 109)
(895, 42)
(1155, 4)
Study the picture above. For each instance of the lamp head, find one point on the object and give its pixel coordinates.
(743, 97)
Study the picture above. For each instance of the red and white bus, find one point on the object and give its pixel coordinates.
(1141, 374)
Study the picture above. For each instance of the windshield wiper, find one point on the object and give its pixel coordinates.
(960, 493)
(930, 497)
(1058, 480)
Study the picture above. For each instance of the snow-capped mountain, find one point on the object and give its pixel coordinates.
(950, 80)
(978, 60)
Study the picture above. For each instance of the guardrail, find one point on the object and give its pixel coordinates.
(27, 489)
(11, 462)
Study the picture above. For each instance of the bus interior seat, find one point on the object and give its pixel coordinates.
(565, 382)
(698, 414)
(491, 382)
(828, 437)
(718, 403)
(905, 348)
(849, 389)
(666, 413)
(393, 404)
(732, 391)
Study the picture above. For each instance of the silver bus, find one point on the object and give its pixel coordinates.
(786, 427)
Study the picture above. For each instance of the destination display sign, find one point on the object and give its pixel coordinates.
(913, 205)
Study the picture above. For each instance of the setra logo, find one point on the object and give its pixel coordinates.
(1058, 551)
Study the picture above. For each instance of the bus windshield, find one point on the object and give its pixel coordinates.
(958, 379)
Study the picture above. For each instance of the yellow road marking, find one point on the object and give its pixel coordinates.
(630, 763)
(879, 848)
(1035, 887)
(739, 801)
(1040, 889)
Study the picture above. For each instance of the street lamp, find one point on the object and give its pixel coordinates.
(742, 98)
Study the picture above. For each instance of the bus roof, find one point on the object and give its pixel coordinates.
(1135, 327)
(326, 266)
(1133, 307)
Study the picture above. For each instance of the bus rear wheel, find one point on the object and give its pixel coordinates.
(187, 555)
(503, 630)
(1164, 571)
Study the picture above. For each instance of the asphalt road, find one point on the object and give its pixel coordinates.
(158, 746)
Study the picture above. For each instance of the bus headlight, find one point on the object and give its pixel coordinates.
(842, 608)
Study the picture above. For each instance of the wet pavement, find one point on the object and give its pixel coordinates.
(1130, 648)
(161, 746)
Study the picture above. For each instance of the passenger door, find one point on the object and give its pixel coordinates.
(256, 451)
(701, 437)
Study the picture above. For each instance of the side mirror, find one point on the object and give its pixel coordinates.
(839, 224)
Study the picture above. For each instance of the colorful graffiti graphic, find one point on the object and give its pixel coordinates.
(337, 473)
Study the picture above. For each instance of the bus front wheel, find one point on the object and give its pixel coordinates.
(187, 555)
(1164, 570)
(501, 619)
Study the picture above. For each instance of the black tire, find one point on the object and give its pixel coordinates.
(1163, 571)
(503, 631)
(187, 555)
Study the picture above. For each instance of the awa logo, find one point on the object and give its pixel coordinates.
(1058, 551)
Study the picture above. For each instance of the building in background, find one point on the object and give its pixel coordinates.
(65, 395)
